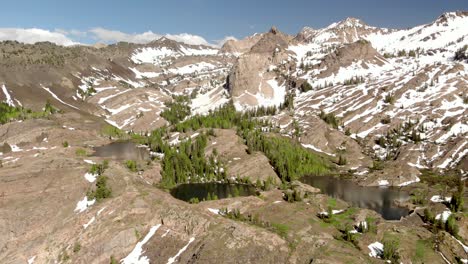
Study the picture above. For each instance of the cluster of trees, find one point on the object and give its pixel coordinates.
(289, 159)
(89, 92)
(389, 98)
(330, 119)
(354, 80)
(305, 87)
(455, 205)
(11, 113)
(394, 138)
(450, 225)
(461, 54)
(101, 190)
(261, 111)
(186, 162)
(177, 110)
(288, 101)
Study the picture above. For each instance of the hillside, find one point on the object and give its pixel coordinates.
(384, 110)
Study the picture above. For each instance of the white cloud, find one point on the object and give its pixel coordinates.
(72, 32)
(220, 42)
(189, 39)
(33, 35)
(98, 34)
(111, 36)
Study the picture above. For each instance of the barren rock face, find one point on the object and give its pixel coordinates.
(359, 51)
(241, 46)
(253, 81)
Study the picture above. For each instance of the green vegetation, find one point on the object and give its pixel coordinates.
(293, 195)
(395, 137)
(49, 109)
(386, 120)
(390, 251)
(11, 113)
(289, 159)
(450, 224)
(461, 54)
(81, 152)
(65, 144)
(76, 247)
(101, 190)
(434, 179)
(280, 229)
(371, 223)
(131, 165)
(389, 98)
(98, 169)
(177, 110)
(113, 260)
(419, 196)
(194, 200)
(342, 160)
(186, 162)
(354, 80)
(456, 203)
(330, 119)
(235, 214)
(377, 165)
(349, 236)
(305, 87)
(401, 53)
(113, 132)
(340, 221)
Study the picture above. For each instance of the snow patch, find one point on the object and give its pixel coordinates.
(89, 222)
(440, 199)
(82, 205)
(90, 176)
(214, 211)
(376, 249)
(383, 183)
(135, 256)
(443, 216)
(312, 147)
(8, 99)
(173, 259)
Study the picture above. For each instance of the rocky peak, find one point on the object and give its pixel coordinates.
(450, 16)
(305, 34)
(270, 41)
(241, 46)
(273, 30)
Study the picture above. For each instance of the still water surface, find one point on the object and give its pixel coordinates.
(122, 151)
(188, 191)
(379, 199)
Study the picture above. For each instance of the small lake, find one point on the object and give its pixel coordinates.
(122, 151)
(188, 191)
(379, 199)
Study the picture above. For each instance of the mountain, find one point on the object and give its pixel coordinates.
(378, 107)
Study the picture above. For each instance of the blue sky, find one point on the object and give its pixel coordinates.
(211, 19)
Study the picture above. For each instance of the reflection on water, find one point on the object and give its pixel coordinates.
(188, 191)
(122, 151)
(378, 199)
